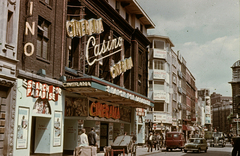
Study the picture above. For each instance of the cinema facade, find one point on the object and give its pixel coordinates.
(81, 64)
(105, 70)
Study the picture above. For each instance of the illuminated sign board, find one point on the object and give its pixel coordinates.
(43, 91)
(121, 67)
(104, 110)
(32, 30)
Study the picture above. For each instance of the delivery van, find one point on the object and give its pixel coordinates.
(174, 140)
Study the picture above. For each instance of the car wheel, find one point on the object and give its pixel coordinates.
(185, 151)
(198, 150)
(206, 150)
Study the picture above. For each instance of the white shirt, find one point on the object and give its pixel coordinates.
(83, 140)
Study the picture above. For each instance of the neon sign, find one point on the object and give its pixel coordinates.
(104, 111)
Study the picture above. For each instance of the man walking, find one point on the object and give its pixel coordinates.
(150, 141)
(92, 137)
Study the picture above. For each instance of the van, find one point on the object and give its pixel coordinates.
(174, 140)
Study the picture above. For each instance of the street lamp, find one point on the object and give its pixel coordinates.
(237, 123)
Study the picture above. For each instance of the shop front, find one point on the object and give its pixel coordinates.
(110, 109)
(163, 122)
(39, 118)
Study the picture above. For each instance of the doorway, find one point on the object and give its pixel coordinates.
(103, 135)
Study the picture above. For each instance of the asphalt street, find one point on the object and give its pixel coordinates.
(212, 151)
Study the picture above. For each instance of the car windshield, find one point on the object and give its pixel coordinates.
(194, 140)
(217, 135)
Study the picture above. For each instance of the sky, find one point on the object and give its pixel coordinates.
(206, 32)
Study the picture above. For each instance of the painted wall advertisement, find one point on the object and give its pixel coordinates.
(57, 128)
(22, 128)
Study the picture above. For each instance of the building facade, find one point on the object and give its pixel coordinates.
(235, 84)
(105, 65)
(8, 60)
(204, 94)
(160, 83)
(81, 64)
(39, 119)
(221, 107)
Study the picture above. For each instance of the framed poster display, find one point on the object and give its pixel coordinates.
(22, 128)
(57, 128)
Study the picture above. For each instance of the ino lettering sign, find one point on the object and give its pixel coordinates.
(104, 110)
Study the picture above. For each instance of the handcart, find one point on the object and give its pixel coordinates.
(123, 144)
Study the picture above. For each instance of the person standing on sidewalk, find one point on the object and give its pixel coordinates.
(92, 137)
(150, 141)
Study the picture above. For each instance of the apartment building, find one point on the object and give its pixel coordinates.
(160, 83)
(8, 61)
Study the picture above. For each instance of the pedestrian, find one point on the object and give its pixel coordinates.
(159, 141)
(155, 141)
(236, 146)
(92, 139)
(150, 141)
(83, 138)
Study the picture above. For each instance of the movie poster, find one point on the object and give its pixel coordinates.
(57, 128)
(22, 127)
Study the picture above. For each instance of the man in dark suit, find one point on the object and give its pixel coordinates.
(236, 146)
(92, 140)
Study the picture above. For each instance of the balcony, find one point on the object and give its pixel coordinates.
(159, 74)
(159, 95)
(159, 53)
(180, 74)
(180, 90)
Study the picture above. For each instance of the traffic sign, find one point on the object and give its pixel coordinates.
(236, 120)
(154, 126)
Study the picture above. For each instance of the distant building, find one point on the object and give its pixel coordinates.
(221, 107)
(235, 83)
(206, 103)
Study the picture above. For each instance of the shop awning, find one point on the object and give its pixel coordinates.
(192, 128)
(196, 128)
(101, 90)
(188, 128)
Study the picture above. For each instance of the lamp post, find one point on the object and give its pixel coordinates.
(237, 123)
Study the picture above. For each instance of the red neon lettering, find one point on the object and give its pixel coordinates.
(29, 88)
(93, 109)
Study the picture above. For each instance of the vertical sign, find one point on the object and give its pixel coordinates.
(22, 127)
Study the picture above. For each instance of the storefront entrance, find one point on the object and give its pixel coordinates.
(103, 135)
(40, 135)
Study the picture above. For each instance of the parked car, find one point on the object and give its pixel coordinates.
(174, 140)
(196, 144)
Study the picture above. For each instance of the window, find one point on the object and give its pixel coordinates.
(43, 38)
(159, 44)
(117, 6)
(9, 33)
(159, 65)
(140, 59)
(49, 2)
(127, 17)
(141, 27)
(150, 64)
(158, 85)
(150, 85)
(159, 107)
